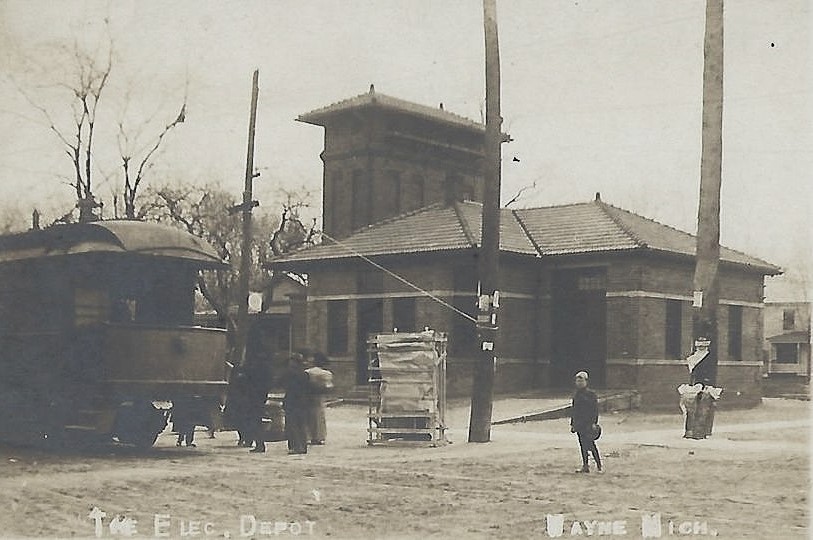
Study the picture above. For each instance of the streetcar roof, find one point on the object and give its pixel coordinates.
(114, 236)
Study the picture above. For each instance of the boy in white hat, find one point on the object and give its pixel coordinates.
(584, 421)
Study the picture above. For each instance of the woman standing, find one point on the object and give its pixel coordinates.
(321, 382)
(584, 421)
(295, 404)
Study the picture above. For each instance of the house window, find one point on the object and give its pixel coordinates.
(788, 319)
(362, 200)
(786, 353)
(403, 314)
(735, 332)
(337, 327)
(674, 329)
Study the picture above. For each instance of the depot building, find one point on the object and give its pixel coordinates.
(586, 286)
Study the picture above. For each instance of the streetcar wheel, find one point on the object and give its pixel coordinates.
(139, 424)
(141, 440)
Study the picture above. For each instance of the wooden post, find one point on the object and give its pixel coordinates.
(483, 384)
(245, 252)
(704, 316)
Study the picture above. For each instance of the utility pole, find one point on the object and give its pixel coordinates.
(246, 207)
(706, 283)
(488, 300)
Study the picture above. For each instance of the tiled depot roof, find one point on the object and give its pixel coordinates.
(375, 99)
(433, 228)
(512, 237)
(662, 237)
(542, 232)
(575, 228)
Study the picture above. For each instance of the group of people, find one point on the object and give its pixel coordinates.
(305, 381)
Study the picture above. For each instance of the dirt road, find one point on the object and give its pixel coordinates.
(750, 480)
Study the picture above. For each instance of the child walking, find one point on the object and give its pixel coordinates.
(584, 421)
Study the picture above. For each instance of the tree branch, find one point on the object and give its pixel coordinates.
(519, 193)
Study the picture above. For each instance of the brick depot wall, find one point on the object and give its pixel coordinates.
(517, 369)
(675, 276)
(512, 375)
(635, 331)
(651, 329)
(624, 273)
(657, 382)
(622, 328)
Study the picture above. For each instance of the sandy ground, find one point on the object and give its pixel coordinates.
(750, 480)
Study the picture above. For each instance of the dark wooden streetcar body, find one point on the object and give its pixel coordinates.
(97, 337)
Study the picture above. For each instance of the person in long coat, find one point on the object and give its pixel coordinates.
(237, 406)
(183, 420)
(295, 381)
(584, 421)
(317, 426)
(258, 384)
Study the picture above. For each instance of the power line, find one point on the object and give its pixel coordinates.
(400, 278)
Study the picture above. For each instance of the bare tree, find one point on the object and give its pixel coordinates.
(291, 233)
(91, 73)
(134, 175)
(84, 87)
(518, 195)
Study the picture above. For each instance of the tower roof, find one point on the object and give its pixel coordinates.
(376, 100)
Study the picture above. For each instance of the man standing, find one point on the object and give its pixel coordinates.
(584, 421)
(258, 381)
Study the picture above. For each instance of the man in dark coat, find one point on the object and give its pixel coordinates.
(295, 404)
(184, 418)
(584, 421)
(258, 379)
(237, 408)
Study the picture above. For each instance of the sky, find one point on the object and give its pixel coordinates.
(598, 96)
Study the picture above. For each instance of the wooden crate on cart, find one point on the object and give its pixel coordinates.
(407, 382)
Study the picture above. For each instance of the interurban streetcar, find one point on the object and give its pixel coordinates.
(97, 334)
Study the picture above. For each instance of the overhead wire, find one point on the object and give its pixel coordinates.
(400, 278)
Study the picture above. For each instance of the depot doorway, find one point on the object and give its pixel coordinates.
(579, 325)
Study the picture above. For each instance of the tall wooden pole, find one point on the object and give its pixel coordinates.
(483, 384)
(706, 283)
(246, 207)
